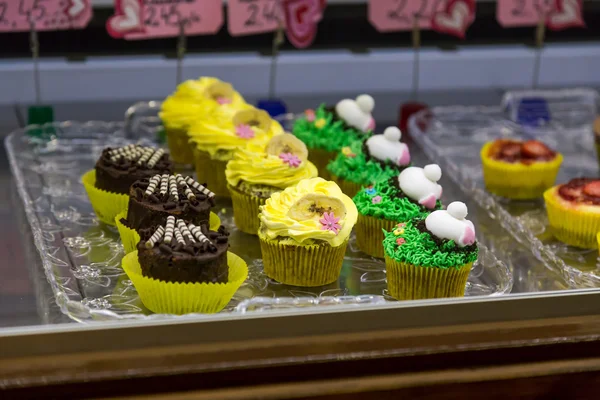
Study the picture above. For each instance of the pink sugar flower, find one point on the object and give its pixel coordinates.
(330, 223)
(376, 200)
(400, 241)
(310, 115)
(244, 131)
(290, 159)
(223, 100)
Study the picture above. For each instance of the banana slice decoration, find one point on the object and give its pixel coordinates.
(220, 92)
(320, 208)
(287, 144)
(253, 118)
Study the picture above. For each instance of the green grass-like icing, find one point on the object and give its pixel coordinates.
(357, 169)
(391, 207)
(331, 137)
(420, 249)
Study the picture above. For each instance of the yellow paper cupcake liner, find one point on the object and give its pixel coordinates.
(106, 205)
(571, 225)
(298, 265)
(180, 149)
(130, 238)
(320, 158)
(245, 210)
(349, 188)
(369, 234)
(409, 282)
(183, 298)
(212, 172)
(598, 239)
(516, 180)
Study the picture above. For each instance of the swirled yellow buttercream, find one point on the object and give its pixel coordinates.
(226, 130)
(278, 221)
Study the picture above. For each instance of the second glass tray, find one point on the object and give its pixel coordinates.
(453, 137)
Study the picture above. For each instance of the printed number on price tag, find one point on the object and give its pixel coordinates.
(46, 15)
(248, 17)
(522, 12)
(398, 15)
(147, 19)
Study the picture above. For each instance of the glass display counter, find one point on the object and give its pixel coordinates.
(520, 317)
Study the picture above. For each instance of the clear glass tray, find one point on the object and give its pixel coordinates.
(81, 256)
(453, 137)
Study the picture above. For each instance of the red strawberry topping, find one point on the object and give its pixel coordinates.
(536, 149)
(569, 192)
(592, 189)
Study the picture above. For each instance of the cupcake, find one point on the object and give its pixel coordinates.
(411, 194)
(326, 131)
(215, 140)
(152, 200)
(519, 170)
(180, 267)
(192, 100)
(304, 232)
(574, 211)
(431, 257)
(364, 163)
(256, 173)
(116, 170)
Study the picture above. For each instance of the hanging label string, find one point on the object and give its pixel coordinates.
(416, 42)
(540, 33)
(181, 49)
(278, 40)
(34, 44)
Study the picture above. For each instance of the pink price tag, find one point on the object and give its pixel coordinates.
(510, 13)
(250, 17)
(46, 15)
(455, 18)
(301, 20)
(148, 19)
(566, 14)
(399, 15)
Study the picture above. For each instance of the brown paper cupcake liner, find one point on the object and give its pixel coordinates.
(320, 158)
(310, 265)
(180, 149)
(409, 282)
(211, 172)
(369, 234)
(349, 188)
(245, 210)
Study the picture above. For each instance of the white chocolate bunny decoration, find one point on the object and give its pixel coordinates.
(451, 224)
(420, 184)
(357, 113)
(388, 147)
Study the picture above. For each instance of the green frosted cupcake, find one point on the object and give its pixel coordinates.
(431, 257)
(412, 194)
(367, 162)
(325, 131)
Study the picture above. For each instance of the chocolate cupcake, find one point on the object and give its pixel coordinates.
(152, 200)
(117, 169)
(179, 251)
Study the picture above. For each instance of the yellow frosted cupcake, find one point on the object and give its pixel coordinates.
(574, 212)
(192, 100)
(215, 140)
(304, 232)
(256, 173)
(519, 170)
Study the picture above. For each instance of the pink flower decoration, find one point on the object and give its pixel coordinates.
(223, 100)
(244, 131)
(310, 115)
(376, 199)
(290, 159)
(330, 223)
(400, 241)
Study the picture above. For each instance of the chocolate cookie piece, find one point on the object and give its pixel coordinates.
(172, 253)
(117, 169)
(152, 200)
